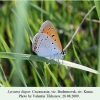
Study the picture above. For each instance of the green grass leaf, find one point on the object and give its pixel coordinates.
(97, 3)
(43, 59)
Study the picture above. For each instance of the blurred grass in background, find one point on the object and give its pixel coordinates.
(20, 21)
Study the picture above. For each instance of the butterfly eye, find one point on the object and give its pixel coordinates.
(63, 52)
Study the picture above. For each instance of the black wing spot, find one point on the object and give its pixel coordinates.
(42, 40)
(53, 35)
(52, 42)
(54, 48)
(47, 36)
(48, 28)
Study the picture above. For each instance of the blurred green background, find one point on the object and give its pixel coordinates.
(20, 21)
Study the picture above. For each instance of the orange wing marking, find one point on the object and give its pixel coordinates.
(35, 44)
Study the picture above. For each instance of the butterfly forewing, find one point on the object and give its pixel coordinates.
(48, 28)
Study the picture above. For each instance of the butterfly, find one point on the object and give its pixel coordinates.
(46, 42)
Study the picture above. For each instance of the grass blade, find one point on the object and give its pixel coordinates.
(97, 3)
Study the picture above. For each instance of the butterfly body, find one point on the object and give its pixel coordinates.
(46, 42)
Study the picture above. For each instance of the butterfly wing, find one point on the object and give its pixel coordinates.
(43, 45)
(48, 28)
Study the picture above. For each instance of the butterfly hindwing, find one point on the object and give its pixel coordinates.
(43, 45)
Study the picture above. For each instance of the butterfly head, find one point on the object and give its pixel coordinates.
(63, 53)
